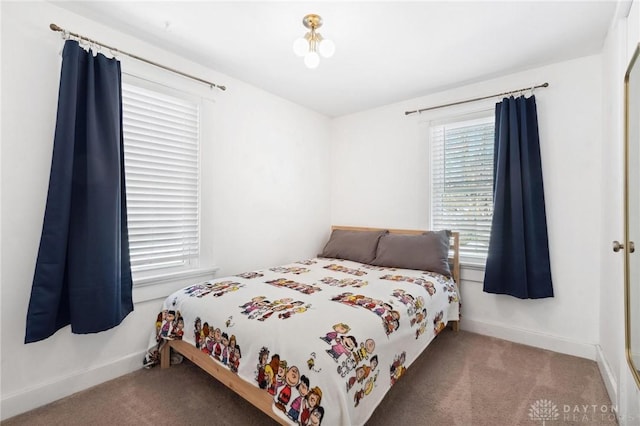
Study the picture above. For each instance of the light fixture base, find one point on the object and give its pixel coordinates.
(312, 21)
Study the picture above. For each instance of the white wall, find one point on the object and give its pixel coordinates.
(380, 171)
(621, 42)
(265, 195)
(273, 169)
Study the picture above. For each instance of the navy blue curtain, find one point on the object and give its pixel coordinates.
(518, 260)
(83, 273)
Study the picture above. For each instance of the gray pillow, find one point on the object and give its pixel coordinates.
(359, 246)
(424, 252)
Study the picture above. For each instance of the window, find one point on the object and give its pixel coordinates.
(462, 181)
(161, 155)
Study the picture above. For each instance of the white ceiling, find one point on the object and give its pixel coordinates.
(385, 51)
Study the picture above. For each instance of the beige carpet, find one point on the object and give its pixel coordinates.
(461, 379)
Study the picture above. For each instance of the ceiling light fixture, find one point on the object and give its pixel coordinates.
(313, 43)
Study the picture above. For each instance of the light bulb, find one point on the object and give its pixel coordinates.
(300, 46)
(312, 60)
(327, 48)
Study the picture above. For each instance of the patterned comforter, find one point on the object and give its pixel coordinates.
(327, 338)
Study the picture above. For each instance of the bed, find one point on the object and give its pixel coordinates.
(319, 340)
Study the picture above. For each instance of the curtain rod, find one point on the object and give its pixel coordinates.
(54, 27)
(476, 99)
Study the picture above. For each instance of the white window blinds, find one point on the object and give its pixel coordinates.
(462, 181)
(161, 135)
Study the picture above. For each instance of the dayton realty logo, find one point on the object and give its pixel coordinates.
(543, 410)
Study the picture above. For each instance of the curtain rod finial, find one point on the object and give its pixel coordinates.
(54, 27)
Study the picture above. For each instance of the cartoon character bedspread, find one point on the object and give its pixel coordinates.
(327, 338)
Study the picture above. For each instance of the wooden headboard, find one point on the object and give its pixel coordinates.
(454, 244)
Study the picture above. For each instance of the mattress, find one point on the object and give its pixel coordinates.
(325, 338)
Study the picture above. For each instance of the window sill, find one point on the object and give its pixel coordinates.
(475, 265)
(472, 271)
(161, 286)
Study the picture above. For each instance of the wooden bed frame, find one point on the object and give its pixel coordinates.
(254, 395)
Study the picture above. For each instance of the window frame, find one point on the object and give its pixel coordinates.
(486, 112)
(161, 275)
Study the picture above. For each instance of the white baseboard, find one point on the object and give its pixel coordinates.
(531, 338)
(36, 396)
(45, 393)
(607, 376)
